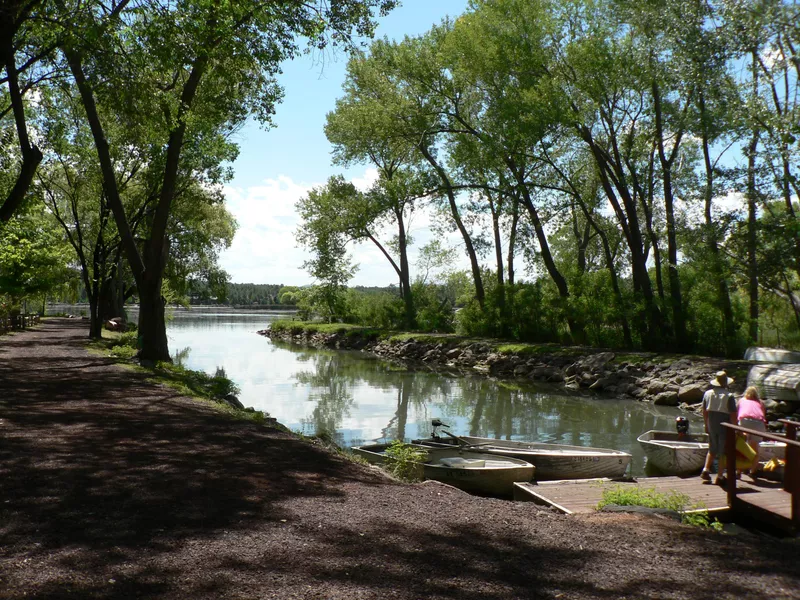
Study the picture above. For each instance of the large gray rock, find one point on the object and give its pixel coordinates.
(494, 357)
(595, 361)
(666, 399)
(656, 386)
(691, 394)
(683, 363)
(548, 373)
(604, 383)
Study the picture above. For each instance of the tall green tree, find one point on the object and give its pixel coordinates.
(188, 71)
(324, 234)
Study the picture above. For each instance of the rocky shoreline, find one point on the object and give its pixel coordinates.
(664, 380)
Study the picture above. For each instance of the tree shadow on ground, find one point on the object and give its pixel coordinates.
(114, 488)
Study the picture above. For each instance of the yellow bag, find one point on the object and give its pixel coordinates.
(773, 465)
(745, 454)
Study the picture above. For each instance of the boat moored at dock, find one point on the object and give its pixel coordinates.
(552, 461)
(472, 472)
(673, 453)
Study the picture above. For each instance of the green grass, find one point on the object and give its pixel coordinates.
(650, 498)
(427, 338)
(635, 358)
(519, 349)
(297, 327)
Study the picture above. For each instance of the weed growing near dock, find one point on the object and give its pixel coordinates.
(405, 461)
(649, 498)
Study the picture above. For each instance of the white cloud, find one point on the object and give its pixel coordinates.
(265, 250)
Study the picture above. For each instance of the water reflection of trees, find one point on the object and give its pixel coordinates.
(336, 374)
(479, 406)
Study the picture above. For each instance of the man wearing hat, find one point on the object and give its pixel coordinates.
(719, 406)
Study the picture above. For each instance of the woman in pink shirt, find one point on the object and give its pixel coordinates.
(752, 414)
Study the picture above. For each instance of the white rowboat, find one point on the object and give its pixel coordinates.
(552, 461)
(675, 454)
(480, 473)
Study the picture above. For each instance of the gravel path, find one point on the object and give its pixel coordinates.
(112, 487)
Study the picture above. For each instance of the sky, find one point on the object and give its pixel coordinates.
(277, 167)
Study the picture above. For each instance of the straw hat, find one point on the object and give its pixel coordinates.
(721, 379)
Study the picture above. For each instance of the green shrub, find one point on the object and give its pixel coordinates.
(434, 308)
(129, 339)
(380, 310)
(405, 461)
(198, 383)
(123, 352)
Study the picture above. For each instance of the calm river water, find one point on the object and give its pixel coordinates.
(358, 399)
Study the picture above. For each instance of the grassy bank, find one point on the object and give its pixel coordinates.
(519, 349)
(198, 385)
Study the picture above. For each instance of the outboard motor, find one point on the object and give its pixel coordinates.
(436, 423)
(682, 425)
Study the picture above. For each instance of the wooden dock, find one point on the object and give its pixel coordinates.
(771, 503)
(766, 500)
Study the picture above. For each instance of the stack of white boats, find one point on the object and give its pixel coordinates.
(490, 466)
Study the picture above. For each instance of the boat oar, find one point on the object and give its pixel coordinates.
(465, 443)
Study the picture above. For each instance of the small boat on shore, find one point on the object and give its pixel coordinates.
(480, 473)
(552, 461)
(673, 453)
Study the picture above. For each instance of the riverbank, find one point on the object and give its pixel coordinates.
(115, 487)
(663, 379)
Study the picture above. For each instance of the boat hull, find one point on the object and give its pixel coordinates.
(672, 454)
(552, 461)
(495, 475)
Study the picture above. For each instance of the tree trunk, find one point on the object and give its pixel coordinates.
(576, 328)
(676, 297)
(405, 276)
(512, 238)
(31, 155)
(147, 271)
(152, 324)
(498, 254)
(646, 197)
(612, 273)
(723, 294)
(649, 324)
(752, 223)
(480, 294)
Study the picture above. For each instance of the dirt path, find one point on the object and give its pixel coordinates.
(111, 487)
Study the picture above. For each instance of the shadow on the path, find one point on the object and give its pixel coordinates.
(106, 461)
(121, 490)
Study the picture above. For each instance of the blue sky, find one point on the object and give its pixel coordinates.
(278, 166)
